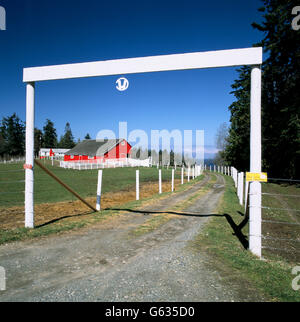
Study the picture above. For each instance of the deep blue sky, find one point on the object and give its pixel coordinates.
(59, 32)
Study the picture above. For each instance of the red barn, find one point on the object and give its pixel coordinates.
(99, 150)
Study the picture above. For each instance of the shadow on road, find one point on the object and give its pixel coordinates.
(237, 229)
(63, 217)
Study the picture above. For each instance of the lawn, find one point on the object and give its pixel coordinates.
(67, 216)
(83, 182)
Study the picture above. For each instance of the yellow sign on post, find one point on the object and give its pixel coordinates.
(262, 177)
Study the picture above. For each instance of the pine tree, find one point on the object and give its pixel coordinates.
(87, 137)
(12, 136)
(281, 83)
(237, 149)
(49, 135)
(280, 99)
(67, 140)
(38, 140)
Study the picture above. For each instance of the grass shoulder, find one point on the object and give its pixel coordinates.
(269, 279)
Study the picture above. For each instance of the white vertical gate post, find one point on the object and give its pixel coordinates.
(188, 174)
(159, 181)
(182, 174)
(241, 187)
(137, 185)
(246, 195)
(172, 180)
(238, 189)
(29, 172)
(99, 189)
(255, 163)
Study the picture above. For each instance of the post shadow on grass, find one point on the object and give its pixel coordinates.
(237, 229)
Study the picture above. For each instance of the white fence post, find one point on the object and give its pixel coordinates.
(159, 181)
(246, 194)
(172, 180)
(137, 185)
(99, 189)
(241, 187)
(188, 174)
(182, 174)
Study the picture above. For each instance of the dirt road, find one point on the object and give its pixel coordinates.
(110, 264)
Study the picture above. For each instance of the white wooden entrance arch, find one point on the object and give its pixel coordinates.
(197, 60)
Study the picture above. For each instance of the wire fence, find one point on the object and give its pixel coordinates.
(280, 209)
(281, 219)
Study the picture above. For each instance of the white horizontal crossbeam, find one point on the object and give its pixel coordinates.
(209, 59)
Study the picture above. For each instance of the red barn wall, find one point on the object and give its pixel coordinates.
(118, 152)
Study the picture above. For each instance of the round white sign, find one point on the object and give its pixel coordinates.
(122, 84)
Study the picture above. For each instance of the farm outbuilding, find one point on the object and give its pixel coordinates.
(56, 153)
(99, 150)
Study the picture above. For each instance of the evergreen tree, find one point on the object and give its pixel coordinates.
(49, 135)
(87, 137)
(67, 140)
(172, 158)
(280, 99)
(281, 83)
(237, 149)
(38, 141)
(12, 136)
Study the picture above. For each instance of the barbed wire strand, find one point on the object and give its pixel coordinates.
(281, 249)
(280, 222)
(7, 182)
(279, 238)
(276, 194)
(287, 209)
(4, 193)
(281, 179)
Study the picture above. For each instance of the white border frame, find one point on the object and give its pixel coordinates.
(197, 60)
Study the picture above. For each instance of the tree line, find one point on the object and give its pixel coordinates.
(280, 98)
(163, 157)
(12, 137)
(12, 142)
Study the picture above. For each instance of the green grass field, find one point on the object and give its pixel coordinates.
(83, 182)
(84, 220)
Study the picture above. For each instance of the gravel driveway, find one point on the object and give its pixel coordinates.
(108, 264)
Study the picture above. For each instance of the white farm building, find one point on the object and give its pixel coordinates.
(56, 153)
